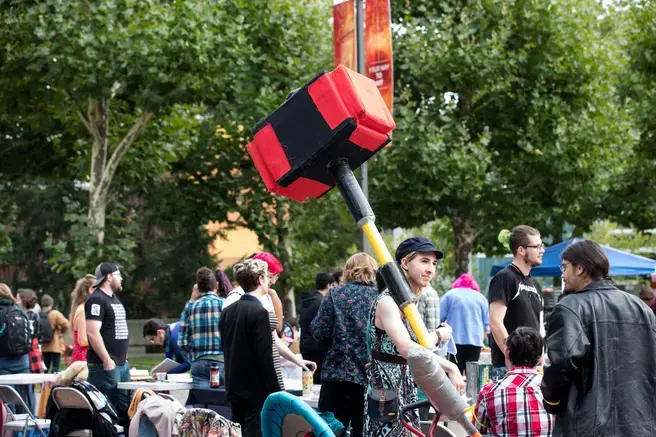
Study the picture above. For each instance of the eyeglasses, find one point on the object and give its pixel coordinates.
(536, 246)
(563, 267)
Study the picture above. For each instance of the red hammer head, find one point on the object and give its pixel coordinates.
(336, 115)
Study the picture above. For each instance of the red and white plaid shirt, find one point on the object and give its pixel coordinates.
(512, 407)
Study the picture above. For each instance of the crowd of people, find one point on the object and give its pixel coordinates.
(600, 342)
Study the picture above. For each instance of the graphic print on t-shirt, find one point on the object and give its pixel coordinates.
(121, 324)
(113, 329)
(528, 288)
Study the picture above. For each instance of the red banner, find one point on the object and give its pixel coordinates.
(378, 47)
(344, 34)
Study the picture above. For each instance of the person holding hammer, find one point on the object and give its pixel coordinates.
(391, 337)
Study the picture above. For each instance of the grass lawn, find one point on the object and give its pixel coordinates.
(145, 363)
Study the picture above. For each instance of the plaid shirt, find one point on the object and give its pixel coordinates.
(512, 407)
(429, 308)
(36, 357)
(199, 327)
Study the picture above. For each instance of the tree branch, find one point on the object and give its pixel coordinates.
(93, 117)
(85, 121)
(122, 149)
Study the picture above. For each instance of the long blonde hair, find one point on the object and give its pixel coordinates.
(360, 267)
(5, 291)
(80, 294)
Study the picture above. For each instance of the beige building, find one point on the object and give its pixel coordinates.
(237, 245)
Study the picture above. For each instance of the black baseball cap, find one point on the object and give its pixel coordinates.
(102, 271)
(416, 244)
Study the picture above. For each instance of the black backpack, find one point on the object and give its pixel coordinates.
(100, 421)
(46, 334)
(15, 332)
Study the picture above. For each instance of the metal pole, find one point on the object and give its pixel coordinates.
(360, 51)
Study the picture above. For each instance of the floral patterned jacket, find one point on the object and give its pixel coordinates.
(201, 422)
(341, 322)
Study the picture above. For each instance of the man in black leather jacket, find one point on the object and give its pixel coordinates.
(601, 343)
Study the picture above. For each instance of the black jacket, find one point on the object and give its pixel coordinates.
(602, 379)
(310, 303)
(248, 351)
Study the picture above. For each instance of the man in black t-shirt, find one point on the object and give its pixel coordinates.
(515, 297)
(107, 330)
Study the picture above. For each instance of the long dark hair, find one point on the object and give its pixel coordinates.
(225, 286)
(591, 257)
(80, 294)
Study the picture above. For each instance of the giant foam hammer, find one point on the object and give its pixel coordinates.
(314, 141)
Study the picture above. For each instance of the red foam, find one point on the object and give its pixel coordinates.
(301, 189)
(343, 94)
(340, 95)
(268, 156)
(368, 138)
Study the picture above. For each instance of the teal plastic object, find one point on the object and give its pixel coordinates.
(279, 404)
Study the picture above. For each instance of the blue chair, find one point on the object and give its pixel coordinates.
(285, 415)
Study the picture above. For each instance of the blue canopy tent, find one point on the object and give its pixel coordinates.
(621, 263)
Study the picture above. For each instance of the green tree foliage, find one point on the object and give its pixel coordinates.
(629, 239)
(149, 75)
(285, 45)
(506, 114)
(323, 235)
(105, 70)
(636, 191)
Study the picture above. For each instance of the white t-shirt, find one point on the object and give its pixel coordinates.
(238, 292)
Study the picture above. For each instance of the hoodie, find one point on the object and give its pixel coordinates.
(310, 303)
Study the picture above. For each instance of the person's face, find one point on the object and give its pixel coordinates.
(19, 302)
(272, 279)
(115, 281)
(533, 251)
(572, 277)
(421, 269)
(265, 282)
(157, 339)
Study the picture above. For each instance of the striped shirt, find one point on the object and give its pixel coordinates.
(198, 334)
(512, 407)
(273, 324)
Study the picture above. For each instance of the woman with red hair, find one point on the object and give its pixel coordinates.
(467, 312)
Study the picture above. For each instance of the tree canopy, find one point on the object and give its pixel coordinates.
(507, 114)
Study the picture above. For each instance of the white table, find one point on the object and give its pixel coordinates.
(26, 378)
(293, 384)
(156, 385)
(290, 384)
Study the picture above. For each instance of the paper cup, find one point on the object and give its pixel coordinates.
(161, 376)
